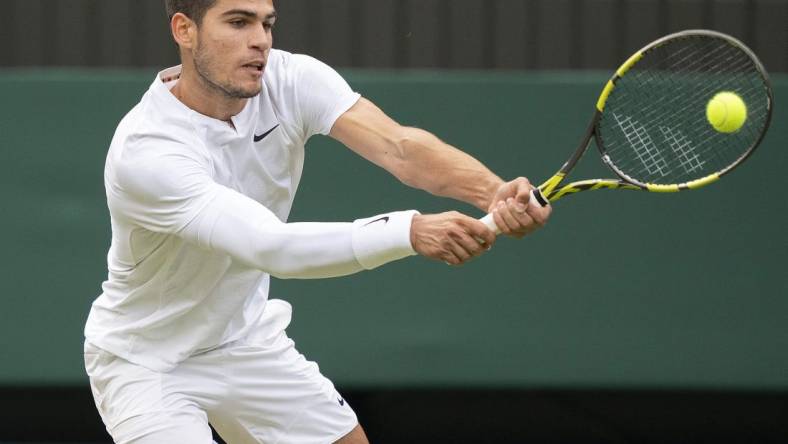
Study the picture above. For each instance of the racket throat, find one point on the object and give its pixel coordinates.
(592, 184)
(546, 189)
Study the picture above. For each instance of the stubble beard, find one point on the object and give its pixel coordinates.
(205, 65)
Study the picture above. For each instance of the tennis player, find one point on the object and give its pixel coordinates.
(200, 177)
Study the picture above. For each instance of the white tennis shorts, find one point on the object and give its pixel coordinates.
(256, 390)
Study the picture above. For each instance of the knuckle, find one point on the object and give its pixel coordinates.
(539, 220)
(526, 221)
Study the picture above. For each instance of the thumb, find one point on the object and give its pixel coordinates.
(523, 195)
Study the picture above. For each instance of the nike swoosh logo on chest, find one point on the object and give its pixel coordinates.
(265, 134)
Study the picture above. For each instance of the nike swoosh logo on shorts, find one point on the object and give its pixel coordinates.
(262, 136)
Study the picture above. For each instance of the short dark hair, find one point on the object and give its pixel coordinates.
(194, 9)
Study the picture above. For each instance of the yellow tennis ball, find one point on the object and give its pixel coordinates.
(726, 112)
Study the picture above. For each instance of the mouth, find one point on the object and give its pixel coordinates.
(255, 67)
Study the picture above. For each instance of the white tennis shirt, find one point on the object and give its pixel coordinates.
(198, 210)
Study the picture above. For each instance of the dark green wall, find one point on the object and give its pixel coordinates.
(509, 34)
(621, 289)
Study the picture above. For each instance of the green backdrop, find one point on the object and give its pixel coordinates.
(622, 289)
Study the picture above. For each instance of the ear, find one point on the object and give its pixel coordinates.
(184, 30)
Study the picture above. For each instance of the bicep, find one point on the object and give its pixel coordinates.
(160, 192)
(321, 95)
(373, 135)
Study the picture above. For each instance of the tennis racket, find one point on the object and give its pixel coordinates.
(651, 125)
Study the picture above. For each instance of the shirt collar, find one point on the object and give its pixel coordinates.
(243, 122)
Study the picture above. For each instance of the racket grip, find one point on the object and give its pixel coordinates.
(536, 198)
(488, 220)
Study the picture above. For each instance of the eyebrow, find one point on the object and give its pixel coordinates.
(248, 14)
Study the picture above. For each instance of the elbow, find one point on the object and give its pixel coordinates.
(316, 272)
(300, 250)
(284, 274)
(272, 257)
(405, 147)
(289, 268)
(277, 265)
(315, 264)
(284, 271)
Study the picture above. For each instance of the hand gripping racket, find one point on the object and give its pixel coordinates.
(653, 123)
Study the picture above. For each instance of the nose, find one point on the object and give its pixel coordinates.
(262, 38)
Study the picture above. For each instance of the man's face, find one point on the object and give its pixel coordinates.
(232, 46)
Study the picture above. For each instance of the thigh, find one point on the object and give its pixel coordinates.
(187, 427)
(136, 405)
(356, 436)
(281, 396)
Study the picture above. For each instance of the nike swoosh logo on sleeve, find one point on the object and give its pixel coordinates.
(385, 220)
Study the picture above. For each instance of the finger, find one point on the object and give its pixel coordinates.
(481, 232)
(539, 214)
(453, 244)
(523, 191)
(506, 223)
(450, 258)
(459, 252)
(464, 239)
(520, 212)
(516, 207)
(498, 218)
(527, 224)
(516, 188)
(508, 215)
(470, 244)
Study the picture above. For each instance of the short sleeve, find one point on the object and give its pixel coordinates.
(322, 95)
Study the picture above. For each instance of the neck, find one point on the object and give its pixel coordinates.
(196, 93)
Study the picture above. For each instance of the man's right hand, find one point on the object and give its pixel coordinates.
(450, 237)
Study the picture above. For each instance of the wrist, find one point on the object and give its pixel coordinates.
(491, 192)
(383, 238)
(413, 225)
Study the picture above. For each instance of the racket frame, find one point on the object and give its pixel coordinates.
(549, 191)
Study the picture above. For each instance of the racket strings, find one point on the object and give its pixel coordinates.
(666, 125)
(675, 138)
(654, 127)
(705, 147)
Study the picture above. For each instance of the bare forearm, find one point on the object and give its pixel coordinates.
(414, 156)
(443, 170)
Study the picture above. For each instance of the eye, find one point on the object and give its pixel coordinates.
(268, 25)
(238, 23)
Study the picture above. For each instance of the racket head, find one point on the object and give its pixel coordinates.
(652, 129)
